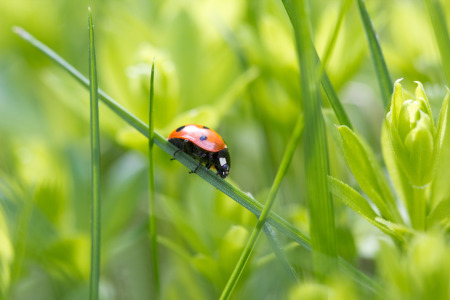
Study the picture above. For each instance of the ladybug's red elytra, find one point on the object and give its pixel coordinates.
(203, 144)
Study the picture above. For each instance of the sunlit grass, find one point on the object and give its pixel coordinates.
(362, 211)
(95, 167)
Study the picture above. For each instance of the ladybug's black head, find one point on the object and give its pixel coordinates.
(222, 163)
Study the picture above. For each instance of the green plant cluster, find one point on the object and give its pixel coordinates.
(339, 181)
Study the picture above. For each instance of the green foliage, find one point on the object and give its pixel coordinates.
(234, 66)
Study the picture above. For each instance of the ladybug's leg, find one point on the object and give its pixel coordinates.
(210, 162)
(184, 147)
(196, 168)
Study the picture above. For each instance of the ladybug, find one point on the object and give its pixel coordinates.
(203, 144)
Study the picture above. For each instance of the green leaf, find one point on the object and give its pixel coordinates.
(367, 172)
(399, 179)
(440, 213)
(95, 164)
(383, 77)
(358, 203)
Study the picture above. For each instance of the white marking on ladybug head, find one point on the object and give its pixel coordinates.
(222, 161)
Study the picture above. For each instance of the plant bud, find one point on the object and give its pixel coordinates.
(412, 131)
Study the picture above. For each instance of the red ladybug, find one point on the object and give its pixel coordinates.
(203, 144)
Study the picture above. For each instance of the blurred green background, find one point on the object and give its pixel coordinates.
(230, 65)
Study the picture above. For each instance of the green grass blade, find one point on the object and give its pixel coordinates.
(333, 99)
(233, 192)
(287, 158)
(322, 228)
(328, 88)
(280, 252)
(384, 80)
(151, 182)
(95, 164)
(329, 49)
(439, 24)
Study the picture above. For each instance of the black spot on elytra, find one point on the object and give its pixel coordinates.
(203, 138)
(205, 127)
(180, 128)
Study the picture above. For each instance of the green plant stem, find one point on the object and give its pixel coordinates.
(151, 182)
(418, 208)
(384, 80)
(245, 256)
(95, 167)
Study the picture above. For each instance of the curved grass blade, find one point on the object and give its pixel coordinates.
(245, 256)
(231, 191)
(95, 167)
(439, 23)
(151, 182)
(384, 80)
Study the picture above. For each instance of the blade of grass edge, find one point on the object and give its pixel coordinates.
(245, 256)
(322, 227)
(332, 41)
(95, 168)
(384, 79)
(331, 94)
(437, 19)
(231, 191)
(151, 184)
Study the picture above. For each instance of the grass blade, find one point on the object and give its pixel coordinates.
(332, 96)
(151, 182)
(438, 22)
(231, 191)
(322, 228)
(384, 80)
(95, 167)
(245, 256)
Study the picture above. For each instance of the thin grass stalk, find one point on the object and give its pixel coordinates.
(95, 168)
(329, 49)
(322, 228)
(384, 80)
(439, 23)
(245, 256)
(151, 183)
(328, 88)
(228, 189)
